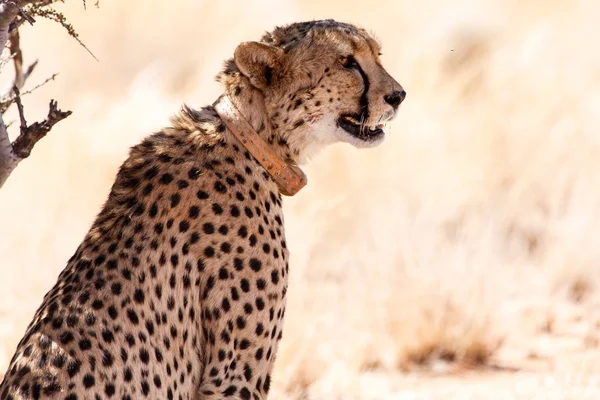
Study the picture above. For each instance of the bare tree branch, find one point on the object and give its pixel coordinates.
(12, 16)
(30, 135)
(20, 107)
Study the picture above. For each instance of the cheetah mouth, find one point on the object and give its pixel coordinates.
(352, 125)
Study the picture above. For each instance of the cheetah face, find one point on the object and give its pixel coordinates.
(368, 106)
(323, 82)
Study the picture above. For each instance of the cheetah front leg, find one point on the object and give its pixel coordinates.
(240, 341)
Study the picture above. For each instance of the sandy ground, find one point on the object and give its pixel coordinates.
(459, 260)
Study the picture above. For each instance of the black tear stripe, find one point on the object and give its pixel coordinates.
(364, 101)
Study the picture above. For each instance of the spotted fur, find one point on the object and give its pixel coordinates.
(178, 290)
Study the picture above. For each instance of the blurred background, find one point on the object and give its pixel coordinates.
(460, 259)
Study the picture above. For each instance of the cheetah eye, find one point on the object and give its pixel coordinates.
(348, 62)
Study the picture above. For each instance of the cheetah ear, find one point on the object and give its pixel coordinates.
(259, 62)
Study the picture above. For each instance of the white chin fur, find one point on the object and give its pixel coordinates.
(359, 143)
(317, 135)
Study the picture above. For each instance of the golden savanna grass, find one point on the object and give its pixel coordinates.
(458, 260)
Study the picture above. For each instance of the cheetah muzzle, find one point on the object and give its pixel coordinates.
(178, 290)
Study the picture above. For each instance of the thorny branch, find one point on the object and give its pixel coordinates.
(60, 18)
(13, 13)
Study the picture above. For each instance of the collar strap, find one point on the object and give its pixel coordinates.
(289, 177)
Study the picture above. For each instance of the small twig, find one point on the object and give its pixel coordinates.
(58, 17)
(39, 85)
(7, 100)
(26, 17)
(30, 135)
(20, 107)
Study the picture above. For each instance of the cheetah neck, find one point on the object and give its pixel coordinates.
(289, 177)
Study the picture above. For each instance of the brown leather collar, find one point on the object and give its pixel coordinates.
(289, 177)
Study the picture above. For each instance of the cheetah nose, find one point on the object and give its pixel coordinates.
(395, 98)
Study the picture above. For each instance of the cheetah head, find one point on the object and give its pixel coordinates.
(322, 82)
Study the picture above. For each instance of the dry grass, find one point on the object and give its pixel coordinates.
(477, 216)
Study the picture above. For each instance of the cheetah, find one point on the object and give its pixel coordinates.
(178, 290)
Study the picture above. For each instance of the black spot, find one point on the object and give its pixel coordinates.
(223, 273)
(208, 228)
(145, 388)
(166, 179)
(153, 210)
(73, 368)
(175, 199)
(112, 311)
(253, 240)
(88, 381)
(238, 264)
(217, 209)
(127, 375)
(151, 173)
(194, 212)
(116, 288)
(132, 315)
(107, 359)
(225, 247)
(240, 322)
(108, 336)
(219, 187)
(202, 195)
(138, 296)
(144, 356)
(209, 251)
(245, 285)
(255, 264)
(109, 389)
(193, 174)
(274, 276)
(165, 158)
(184, 226)
(260, 304)
(225, 304)
(90, 319)
(260, 329)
